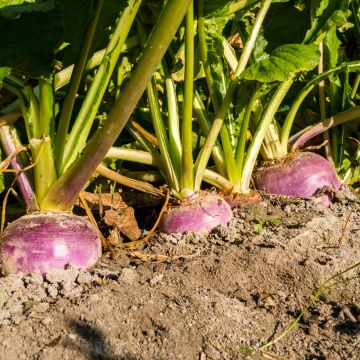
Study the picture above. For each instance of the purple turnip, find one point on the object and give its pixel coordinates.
(48, 241)
(200, 214)
(65, 153)
(300, 174)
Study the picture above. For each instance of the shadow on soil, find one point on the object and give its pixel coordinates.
(93, 343)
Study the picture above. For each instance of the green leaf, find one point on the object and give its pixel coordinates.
(214, 27)
(284, 24)
(284, 62)
(14, 8)
(27, 43)
(76, 15)
(4, 71)
(325, 14)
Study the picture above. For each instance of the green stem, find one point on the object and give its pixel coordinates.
(329, 153)
(204, 54)
(44, 170)
(187, 175)
(240, 151)
(137, 156)
(64, 192)
(229, 55)
(83, 123)
(353, 66)
(28, 103)
(174, 124)
(215, 179)
(146, 158)
(224, 133)
(204, 155)
(356, 86)
(68, 105)
(204, 123)
(261, 129)
(47, 107)
(161, 136)
(241, 4)
(63, 77)
(41, 146)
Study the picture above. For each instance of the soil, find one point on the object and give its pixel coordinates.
(216, 296)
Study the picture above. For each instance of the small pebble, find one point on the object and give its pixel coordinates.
(128, 276)
(46, 321)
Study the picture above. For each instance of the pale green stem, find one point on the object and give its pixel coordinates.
(286, 128)
(355, 87)
(62, 77)
(64, 192)
(44, 170)
(240, 151)
(47, 107)
(230, 55)
(28, 103)
(68, 105)
(187, 175)
(258, 137)
(241, 4)
(83, 123)
(132, 155)
(146, 158)
(326, 136)
(161, 136)
(202, 161)
(174, 125)
(204, 123)
(224, 133)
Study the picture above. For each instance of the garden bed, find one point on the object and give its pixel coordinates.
(198, 297)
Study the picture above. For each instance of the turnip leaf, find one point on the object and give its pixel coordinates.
(14, 8)
(326, 14)
(4, 71)
(27, 43)
(284, 62)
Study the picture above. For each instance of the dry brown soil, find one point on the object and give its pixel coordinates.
(201, 297)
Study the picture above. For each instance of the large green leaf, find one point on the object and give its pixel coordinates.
(284, 62)
(284, 24)
(27, 42)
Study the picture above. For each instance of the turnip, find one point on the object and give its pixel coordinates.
(64, 161)
(302, 174)
(200, 214)
(195, 210)
(46, 241)
(191, 209)
(265, 83)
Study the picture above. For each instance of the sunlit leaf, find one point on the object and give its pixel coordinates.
(284, 62)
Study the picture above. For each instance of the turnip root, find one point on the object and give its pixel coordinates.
(48, 241)
(200, 214)
(301, 174)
